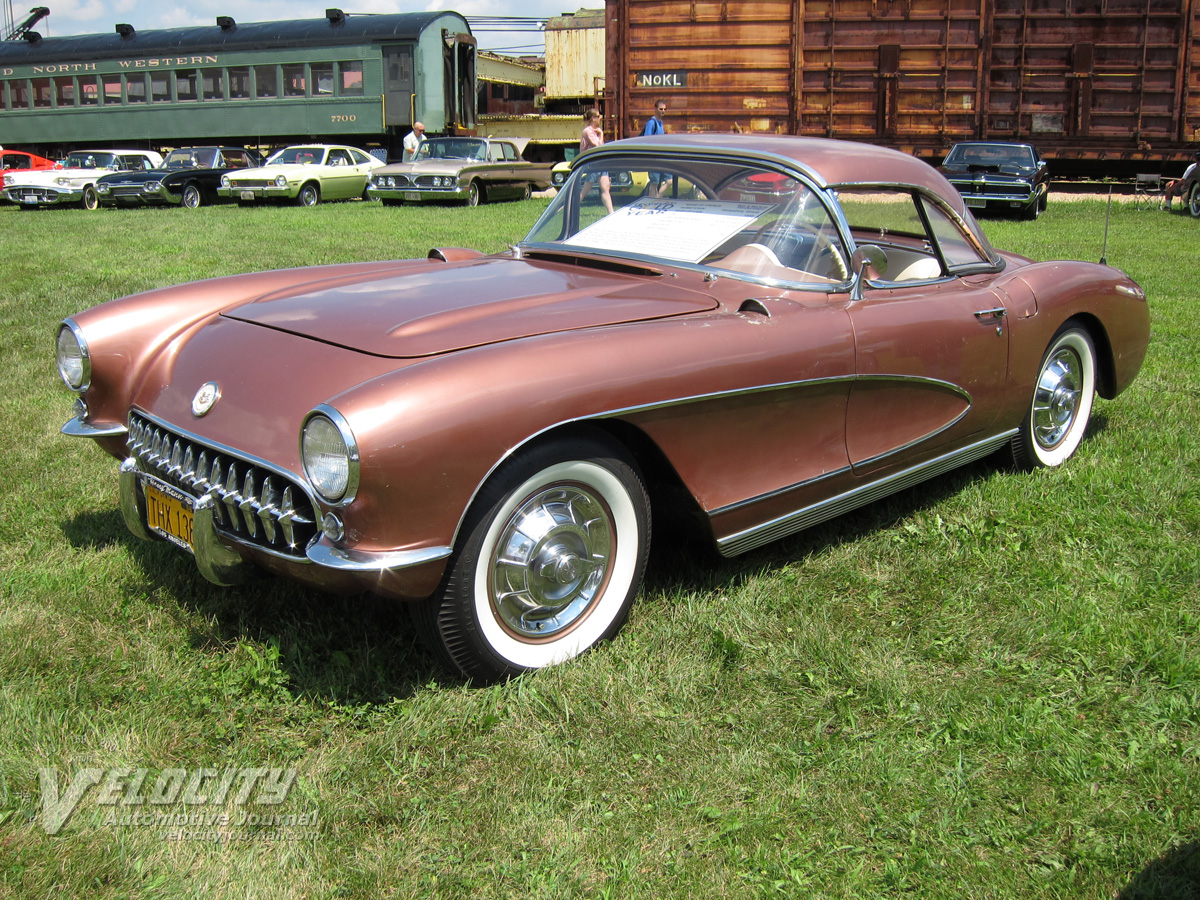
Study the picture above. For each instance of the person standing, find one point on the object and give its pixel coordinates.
(659, 182)
(593, 136)
(412, 143)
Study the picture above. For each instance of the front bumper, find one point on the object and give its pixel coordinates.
(42, 196)
(136, 196)
(417, 195)
(1006, 195)
(259, 192)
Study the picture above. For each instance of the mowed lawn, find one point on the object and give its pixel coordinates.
(984, 687)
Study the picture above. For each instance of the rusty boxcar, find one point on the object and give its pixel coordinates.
(1084, 80)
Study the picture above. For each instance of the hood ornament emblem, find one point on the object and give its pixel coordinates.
(206, 398)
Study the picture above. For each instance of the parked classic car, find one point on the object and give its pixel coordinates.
(188, 177)
(75, 181)
(487, 436)
(995, 175)
(468, 170)
(13, 161)
(306, 174)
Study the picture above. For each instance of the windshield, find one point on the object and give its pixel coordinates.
(304, 156)
(991, 155)
(452, 148)
(743, 219)
(191, 158)
(90, 160)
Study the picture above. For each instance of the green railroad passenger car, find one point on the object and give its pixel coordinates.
(341, 78)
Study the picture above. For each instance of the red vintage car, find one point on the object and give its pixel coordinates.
(797, 328)
(20, 161)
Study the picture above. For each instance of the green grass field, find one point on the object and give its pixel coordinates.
(985, 687)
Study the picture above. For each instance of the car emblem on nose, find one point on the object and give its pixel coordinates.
(206, 398)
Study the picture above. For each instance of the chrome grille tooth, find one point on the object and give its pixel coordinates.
(285, 519)
(267, 509)
(231, 497)
(175, 458)
(248, 504)
(188, 475)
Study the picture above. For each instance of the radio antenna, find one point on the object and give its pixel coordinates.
(1107, 210)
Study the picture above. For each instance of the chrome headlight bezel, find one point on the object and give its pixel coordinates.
(102, 188)
(224, 181)
(152, 187)
(72, 356)
(281, 181)
(329, 455)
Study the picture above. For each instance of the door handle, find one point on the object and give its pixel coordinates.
(998, 312)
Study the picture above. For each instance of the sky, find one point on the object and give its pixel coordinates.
(100, 16)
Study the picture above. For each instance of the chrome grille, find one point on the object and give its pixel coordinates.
(249, 182)
(255, 504)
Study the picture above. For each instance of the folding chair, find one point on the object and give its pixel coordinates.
(1148, 191)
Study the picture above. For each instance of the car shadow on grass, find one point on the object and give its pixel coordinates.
(1173, 876)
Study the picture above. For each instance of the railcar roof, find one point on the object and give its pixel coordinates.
(246, 36)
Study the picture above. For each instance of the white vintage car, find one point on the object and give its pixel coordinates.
(304, 174)
(76, 181)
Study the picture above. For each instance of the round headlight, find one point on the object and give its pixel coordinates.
(102, 188)
(280, 181)
(151, 187)
(558, 178)
(62, 180)
(71, 353)
(224, 181)
(330, 455)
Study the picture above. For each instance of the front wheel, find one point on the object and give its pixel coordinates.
(548, 563)
(310, 195)
(91, 200)
(192, 198)
(474, 194)
(1062, 403)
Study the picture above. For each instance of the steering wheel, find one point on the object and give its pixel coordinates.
(794, 244)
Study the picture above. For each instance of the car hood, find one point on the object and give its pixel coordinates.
(439, 307)
(432, 166)
(51, 176)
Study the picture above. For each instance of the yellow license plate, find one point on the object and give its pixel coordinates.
(169, 513)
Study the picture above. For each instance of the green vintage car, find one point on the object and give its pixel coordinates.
(305, 174)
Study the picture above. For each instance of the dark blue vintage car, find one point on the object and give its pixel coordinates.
(189, 177)
(993, 175)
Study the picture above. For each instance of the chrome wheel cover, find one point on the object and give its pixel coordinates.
(551, 562)
(1057, 397)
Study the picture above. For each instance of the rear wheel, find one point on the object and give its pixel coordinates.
(192, 198)
(1062, 402)
(310, 195)
(1193, 200)
(548, 562)
(528, 192)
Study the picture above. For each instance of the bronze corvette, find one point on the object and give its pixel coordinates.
(795, 328)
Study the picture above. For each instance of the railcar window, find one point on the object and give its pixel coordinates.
(266, 82)
(89, 91)
(112, 88)
(160, 88)
(352, 79)
(186, 85)
(19, 94)
(239, 83)
(135, 88)
(321, 75)
(64, 91)
(213, 84)
(293, 80)
(41, 92)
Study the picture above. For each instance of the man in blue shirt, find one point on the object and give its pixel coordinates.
(660, 182)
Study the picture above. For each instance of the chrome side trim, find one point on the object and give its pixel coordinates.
(79, 428)
(816, 513)
(325, 554)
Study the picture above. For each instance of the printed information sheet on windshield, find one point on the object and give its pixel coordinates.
(684, 230)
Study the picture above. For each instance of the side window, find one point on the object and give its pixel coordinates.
(957, 248)
(892, 221)
(510, 153)
(496, 153)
